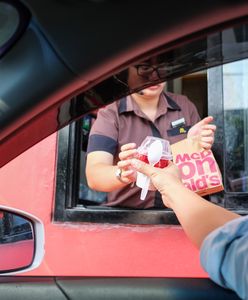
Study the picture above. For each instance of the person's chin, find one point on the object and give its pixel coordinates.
(153, 90)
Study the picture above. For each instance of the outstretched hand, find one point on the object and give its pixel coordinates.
(164, 180)
(205, 131)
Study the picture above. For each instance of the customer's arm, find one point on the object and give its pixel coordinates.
(197, 216)
(222, 235)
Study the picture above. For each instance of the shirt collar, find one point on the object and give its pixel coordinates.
(171, 103)
(126, 104)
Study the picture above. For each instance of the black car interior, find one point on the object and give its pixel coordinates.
(99, 288)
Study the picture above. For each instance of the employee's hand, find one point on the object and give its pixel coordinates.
(166, 180)
(128, 151)
(205, 131)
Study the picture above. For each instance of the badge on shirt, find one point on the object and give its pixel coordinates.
(178, 127)
(178, 130)
(178, 123)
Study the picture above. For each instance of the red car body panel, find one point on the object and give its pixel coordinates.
(78, 249)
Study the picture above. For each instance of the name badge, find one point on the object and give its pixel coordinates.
(177, 123)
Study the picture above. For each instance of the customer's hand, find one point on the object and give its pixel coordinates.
(205, 131)
(165, 180)
(128, 151)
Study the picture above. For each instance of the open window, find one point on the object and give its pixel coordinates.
(202, 70)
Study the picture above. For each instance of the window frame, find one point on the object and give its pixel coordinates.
(68, 155)
(234, 201)
(67, 178)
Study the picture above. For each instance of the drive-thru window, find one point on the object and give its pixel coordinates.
(220, 91)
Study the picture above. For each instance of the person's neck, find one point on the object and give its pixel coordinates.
(147, 105)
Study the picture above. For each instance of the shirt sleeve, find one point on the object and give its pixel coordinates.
(104, 132)
(224, 256)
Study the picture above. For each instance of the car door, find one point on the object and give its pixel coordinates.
(46, 83)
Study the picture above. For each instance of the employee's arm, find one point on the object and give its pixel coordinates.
(101, 173)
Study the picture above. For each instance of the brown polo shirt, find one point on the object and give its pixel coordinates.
(123, 122)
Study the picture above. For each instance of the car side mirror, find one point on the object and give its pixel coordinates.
(21, 242)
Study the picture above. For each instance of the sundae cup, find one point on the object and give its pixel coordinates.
(161, 151)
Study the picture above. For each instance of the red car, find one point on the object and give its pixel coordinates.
(59, 62)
